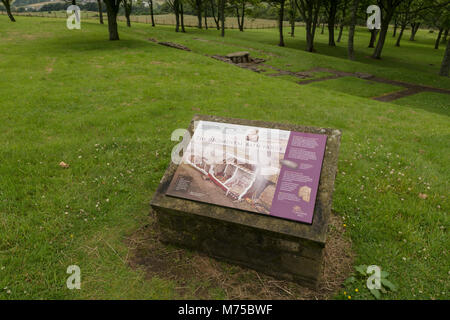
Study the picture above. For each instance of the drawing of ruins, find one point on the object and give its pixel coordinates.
(241, 177)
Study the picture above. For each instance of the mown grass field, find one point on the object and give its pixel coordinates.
(108, 110)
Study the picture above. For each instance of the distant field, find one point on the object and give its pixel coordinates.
(166, 19)
(191, 21)
(40, 4)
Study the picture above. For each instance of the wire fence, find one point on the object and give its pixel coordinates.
(166, 19)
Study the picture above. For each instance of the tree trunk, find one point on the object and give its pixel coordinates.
(373, 37)
(384, 28)
(341, 27)
(280, 22)
(206, 17)
(216, 20)
(412, 32)
(151, 12)
(445, 66)
(310, 13)
(444, 38)
(414, 28)
(222, 17)
(176, 9)
(198, 4)
(242, 17)
(309, 40)
(310, 32)
(438, 39)
(182, 17)
(127, 6)
(323, 28)
(100, 11)
(395, 28)
(351, 31)
(112, 7)
(199, 19)
(292, 17)
(7, 5)
(127, 16)
(332, 22)
(238, 16)
(402, 28)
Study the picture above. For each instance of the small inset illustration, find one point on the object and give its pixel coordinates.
(304, 193)
(297, 209)
(252, 135)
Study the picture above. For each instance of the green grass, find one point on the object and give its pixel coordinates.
(312, 75)
(356, 87)
(413, 61)
(434, 102)
(108, 110)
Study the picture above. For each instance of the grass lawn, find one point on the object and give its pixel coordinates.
(431, 101)
(108, 110)
(356, 87)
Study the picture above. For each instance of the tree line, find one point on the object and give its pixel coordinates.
(315, 14)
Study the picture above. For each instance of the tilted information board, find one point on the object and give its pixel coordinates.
(262, 170)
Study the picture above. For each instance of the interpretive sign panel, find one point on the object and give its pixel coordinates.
(263, 170)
